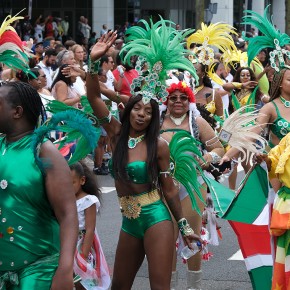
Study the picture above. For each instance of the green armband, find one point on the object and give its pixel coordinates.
(93, 66)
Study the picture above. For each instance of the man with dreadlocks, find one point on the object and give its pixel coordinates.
(37, 208)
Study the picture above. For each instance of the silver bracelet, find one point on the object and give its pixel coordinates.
(215, 157)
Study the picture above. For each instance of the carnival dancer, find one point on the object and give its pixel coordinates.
(32, 203)
(278, 163)
(215, 35)
(140, 180)
(274, 114)
(37, 209)
(90, 262)
(181, 114)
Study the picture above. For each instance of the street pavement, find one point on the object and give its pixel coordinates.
(226, 270)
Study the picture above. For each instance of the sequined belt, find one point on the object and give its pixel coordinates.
(131, 204)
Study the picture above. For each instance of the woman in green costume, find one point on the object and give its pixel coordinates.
(38, 220)
(142, 176)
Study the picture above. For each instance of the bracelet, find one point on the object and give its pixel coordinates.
(237, 85)
(184, 227)
(215, 157)
(105, 120)
(93, 66)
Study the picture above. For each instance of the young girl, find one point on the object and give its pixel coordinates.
(90, 263)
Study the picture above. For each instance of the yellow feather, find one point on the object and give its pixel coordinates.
(236, 56)
(7, 21)
(216, 34)
(213, 76)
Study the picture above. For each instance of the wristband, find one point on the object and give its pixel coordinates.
(184, 227)
(237, 85)
(93, 66)
(215, 157)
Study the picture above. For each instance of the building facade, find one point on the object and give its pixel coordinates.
(187, 13)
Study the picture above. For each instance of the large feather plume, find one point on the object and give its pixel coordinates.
(239, 126)
(138, 32)
(215, 34)
(266, 27)
(184, 154)
(159, 43)
(232, 57)
(76, 126)
(12, 52)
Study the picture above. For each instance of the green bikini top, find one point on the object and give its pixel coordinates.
(137, 171)
(280, 127)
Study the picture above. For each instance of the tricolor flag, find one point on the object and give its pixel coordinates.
(247, 210)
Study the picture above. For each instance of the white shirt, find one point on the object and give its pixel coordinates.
(48, 72)
(110, 85)
(84, 203)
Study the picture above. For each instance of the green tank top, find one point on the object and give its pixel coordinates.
(28, 227)
(280, 127)
(137, 171)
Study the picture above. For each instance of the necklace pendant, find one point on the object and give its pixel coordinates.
(285, 102)
(132, 143)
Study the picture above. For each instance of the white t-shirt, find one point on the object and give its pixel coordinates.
(84, 203)
(110, 85)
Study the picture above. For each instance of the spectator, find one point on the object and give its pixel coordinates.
(38, 48)
(87, 31)
(26, 28)
(81, 30)
(104, 30)
(39, 28)
(49, 27)
(124, 74)
(46, 63)
(65, 27)
(62, 90)
(69, 44)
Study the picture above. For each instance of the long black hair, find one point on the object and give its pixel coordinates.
(90, 186)
(275, 90)
(253, 78)
(120, 159)
(61, 77)
(24, 95)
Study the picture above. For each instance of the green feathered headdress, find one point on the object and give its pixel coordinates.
(271, 38)
(184, 165)
(77, 127)
(162, 48)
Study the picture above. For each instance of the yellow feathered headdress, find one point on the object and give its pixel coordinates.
(232, 57)
(217, 34)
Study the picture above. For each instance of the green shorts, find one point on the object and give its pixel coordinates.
(150, 215)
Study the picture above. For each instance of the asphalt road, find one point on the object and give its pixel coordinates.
(225, 271)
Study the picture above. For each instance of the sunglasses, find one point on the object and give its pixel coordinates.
(174, 99)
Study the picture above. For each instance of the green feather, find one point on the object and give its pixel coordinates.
(266, 27)
(165, 44)
(77, 127)
(184, 153)
(251, 100)
(235, 101)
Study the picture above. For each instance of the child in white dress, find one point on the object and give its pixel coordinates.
(90, 263)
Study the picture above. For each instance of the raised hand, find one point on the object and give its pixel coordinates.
(103, 44)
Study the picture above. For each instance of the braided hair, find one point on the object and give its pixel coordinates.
(24, 95)
(276, 83)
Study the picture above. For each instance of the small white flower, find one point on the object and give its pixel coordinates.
(3, 183)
